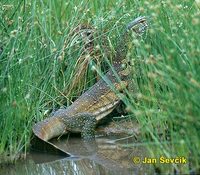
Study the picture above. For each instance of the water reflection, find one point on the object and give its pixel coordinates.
(103, 156)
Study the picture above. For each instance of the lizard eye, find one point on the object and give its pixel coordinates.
(124, 66)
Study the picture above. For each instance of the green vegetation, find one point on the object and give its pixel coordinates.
(43, 64)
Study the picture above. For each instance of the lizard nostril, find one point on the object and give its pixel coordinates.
(129, 63)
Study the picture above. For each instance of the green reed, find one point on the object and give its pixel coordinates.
(40, 51)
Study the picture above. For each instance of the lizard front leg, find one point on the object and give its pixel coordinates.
(83, 122)
(88, 130)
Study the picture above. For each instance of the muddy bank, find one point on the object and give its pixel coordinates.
(120, 127)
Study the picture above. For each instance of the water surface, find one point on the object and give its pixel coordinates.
(105, 155)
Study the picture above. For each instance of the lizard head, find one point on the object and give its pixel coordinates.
(138, 25)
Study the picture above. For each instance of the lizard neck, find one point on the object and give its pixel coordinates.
(122, 49)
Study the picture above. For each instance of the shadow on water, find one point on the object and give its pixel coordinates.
(105, 155)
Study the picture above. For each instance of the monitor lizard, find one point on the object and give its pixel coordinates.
(97, 102)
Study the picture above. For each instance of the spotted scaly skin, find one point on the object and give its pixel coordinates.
(84, 123)
(96, 103)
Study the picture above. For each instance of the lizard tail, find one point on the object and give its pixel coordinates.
(49, 128)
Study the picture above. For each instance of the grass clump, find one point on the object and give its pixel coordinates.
(39, 49)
